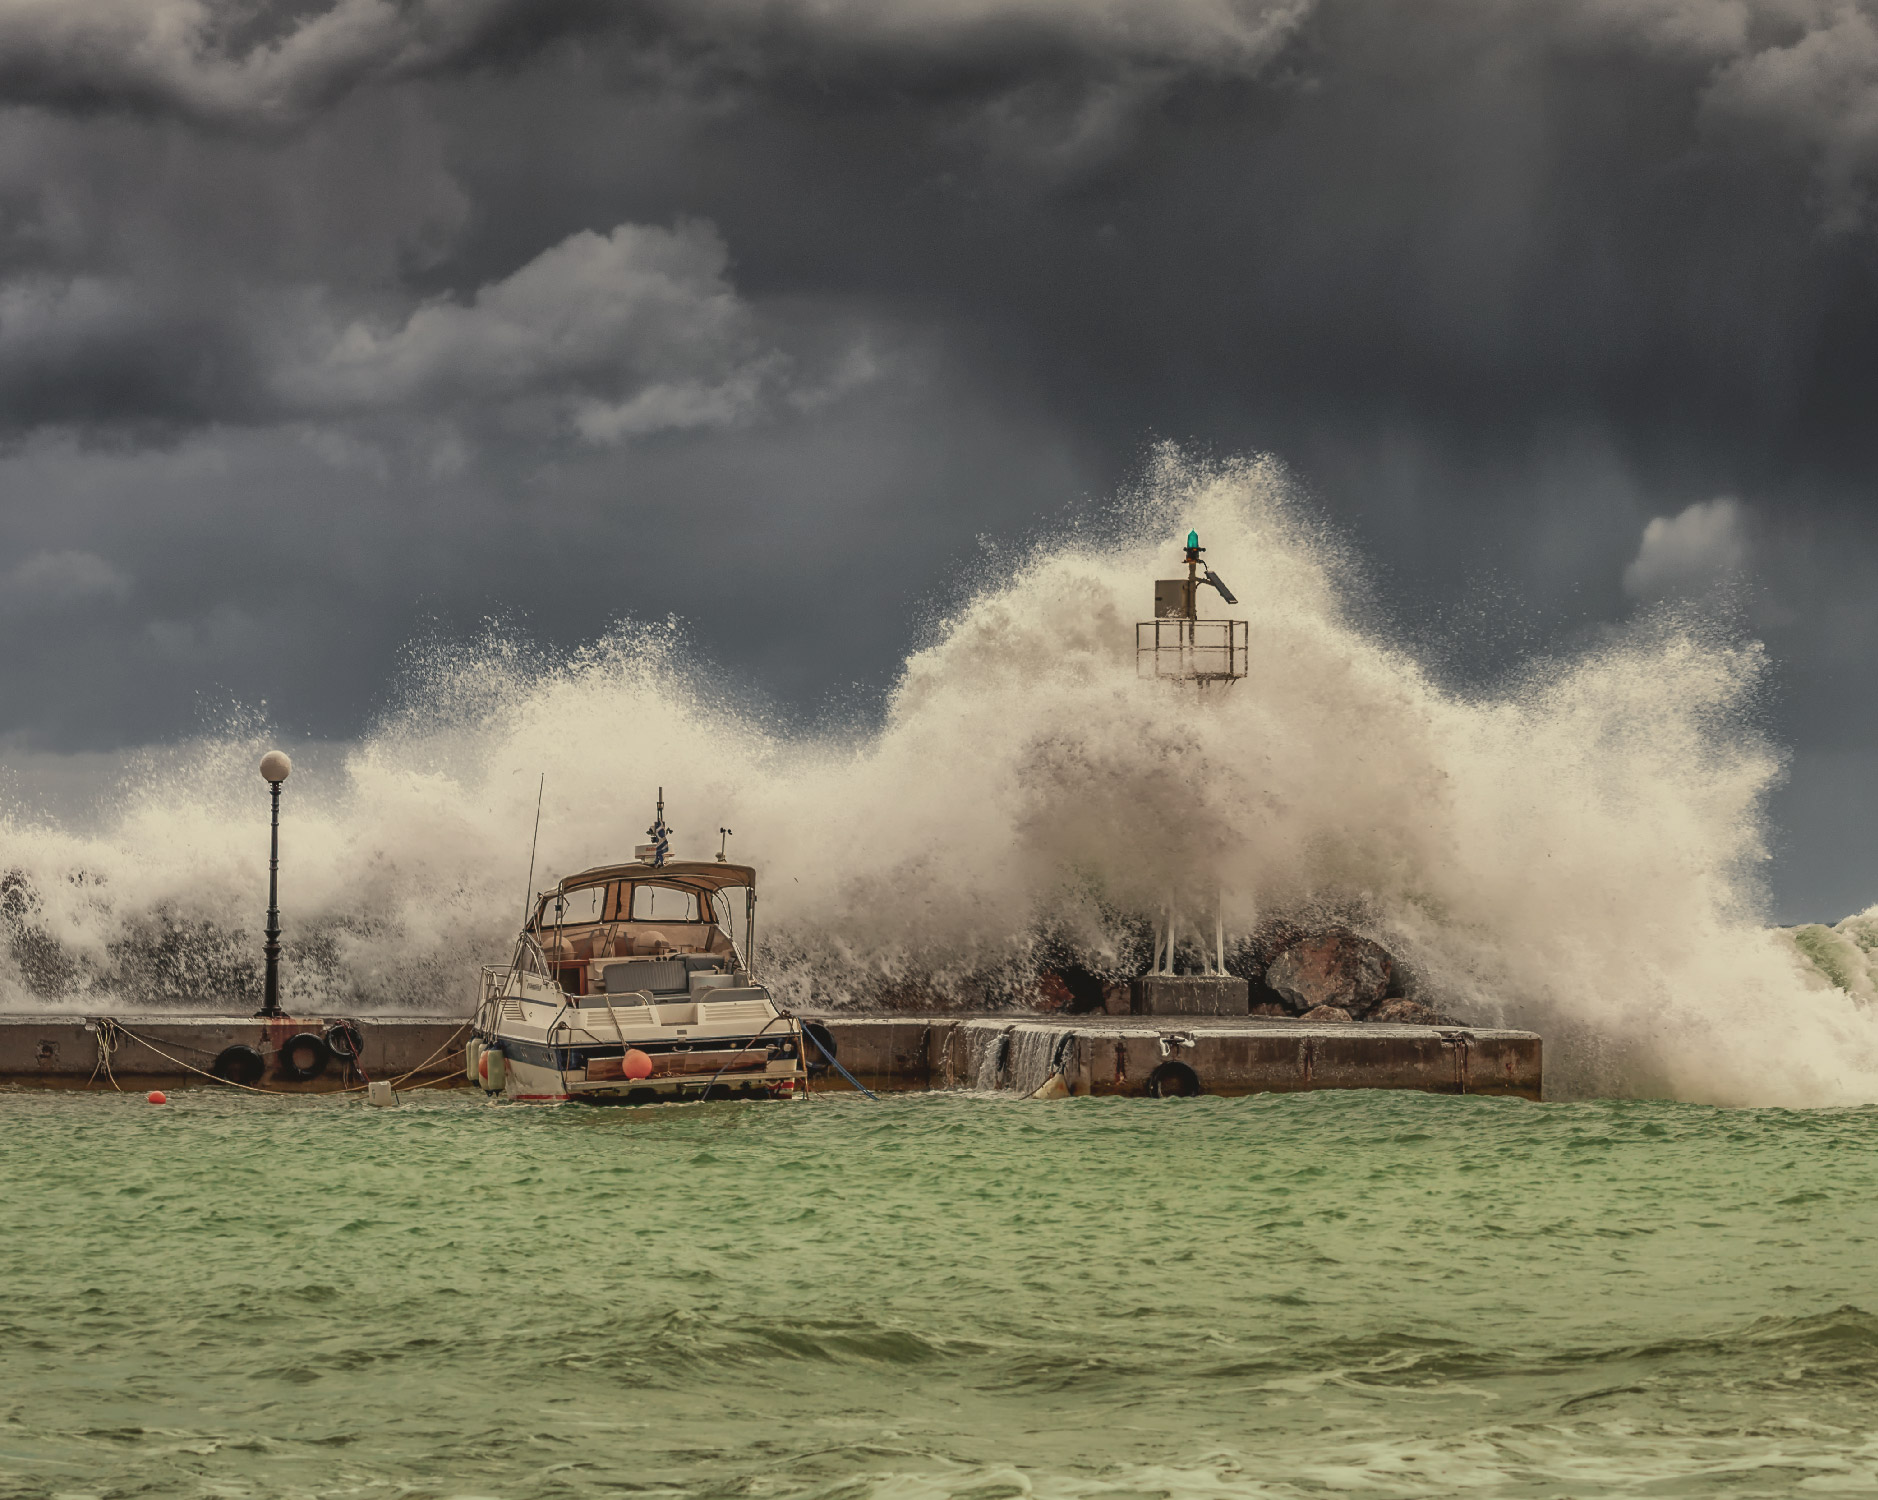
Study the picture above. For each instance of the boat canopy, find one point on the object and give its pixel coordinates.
(705, 874)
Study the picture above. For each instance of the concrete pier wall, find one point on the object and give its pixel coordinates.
(161, 1049)
(1098, 1055)
(1225, 1055)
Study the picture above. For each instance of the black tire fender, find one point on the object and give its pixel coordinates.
(304, 1056)
(818, 1052)
(1173, 1080)
(239, 1064)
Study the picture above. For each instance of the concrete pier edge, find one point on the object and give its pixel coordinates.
(1093, 1054)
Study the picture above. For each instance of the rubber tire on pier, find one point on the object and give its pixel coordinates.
(821, 1049)
(304, 1056)
(345, 1041)
(239, 1064)
(1173, 1080)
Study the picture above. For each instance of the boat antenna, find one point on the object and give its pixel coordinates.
(529, 894)
(723, 842)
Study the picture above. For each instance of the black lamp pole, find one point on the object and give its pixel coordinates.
(274, 767)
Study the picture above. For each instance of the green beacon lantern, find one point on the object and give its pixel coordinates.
(1177, 643)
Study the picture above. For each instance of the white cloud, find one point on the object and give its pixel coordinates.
(612, 336)
(59, 580)
(1689, 553)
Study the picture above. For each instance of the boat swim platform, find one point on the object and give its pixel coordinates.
(1013, 1054)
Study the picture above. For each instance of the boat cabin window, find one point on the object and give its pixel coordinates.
(664, 903)
(730, 909)
(637, 918)
(585, 904)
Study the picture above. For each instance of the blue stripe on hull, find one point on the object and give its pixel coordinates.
(569, 1059)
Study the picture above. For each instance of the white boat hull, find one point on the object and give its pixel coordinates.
(552, 1048)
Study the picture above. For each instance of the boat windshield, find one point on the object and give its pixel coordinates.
(641, 917)
(585, 904)
(663, 903)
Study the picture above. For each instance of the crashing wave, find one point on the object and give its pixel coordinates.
(1579, 850)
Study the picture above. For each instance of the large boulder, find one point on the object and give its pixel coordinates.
(1337, 969)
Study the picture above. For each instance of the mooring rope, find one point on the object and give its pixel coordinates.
(116, 1030)
(107, 1044)
(743, 1049)
(110, 1032)
(188, 1067)
(447, 1042)
(350, 1029)
(835, 1062)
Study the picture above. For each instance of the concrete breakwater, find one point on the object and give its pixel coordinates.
(1084, 1055)
(296, 1055)
(1184, 1055)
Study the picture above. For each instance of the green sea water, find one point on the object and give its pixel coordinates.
(1336, 1293)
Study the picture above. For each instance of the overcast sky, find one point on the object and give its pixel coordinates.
(332, 325)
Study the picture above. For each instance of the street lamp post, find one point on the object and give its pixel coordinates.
(274, 769)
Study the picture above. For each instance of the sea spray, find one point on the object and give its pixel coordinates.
(1578, 851)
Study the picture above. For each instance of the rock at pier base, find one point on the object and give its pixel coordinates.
(1406, 1012)
(1333, 1013)
(1190, 995)
(1336, 969)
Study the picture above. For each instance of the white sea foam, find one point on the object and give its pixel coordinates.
(1578, 852)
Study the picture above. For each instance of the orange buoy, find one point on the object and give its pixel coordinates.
(635, 1064)
(157, 1096)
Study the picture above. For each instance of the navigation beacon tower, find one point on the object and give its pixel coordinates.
(1179, 645)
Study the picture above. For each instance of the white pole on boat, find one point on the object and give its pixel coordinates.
(528, 895)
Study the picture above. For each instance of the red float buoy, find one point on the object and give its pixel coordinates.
(635, 1064)
(157, 1096)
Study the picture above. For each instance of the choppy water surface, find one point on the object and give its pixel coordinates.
(1360, 1293)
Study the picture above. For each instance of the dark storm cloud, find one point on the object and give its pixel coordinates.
(322, 325)
(247, 65)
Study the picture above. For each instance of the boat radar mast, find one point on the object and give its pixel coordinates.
(656, 852)
(1177, 643)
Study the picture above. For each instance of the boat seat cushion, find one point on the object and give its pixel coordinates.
(658, 976)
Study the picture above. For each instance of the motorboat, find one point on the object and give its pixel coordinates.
(631, 983)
